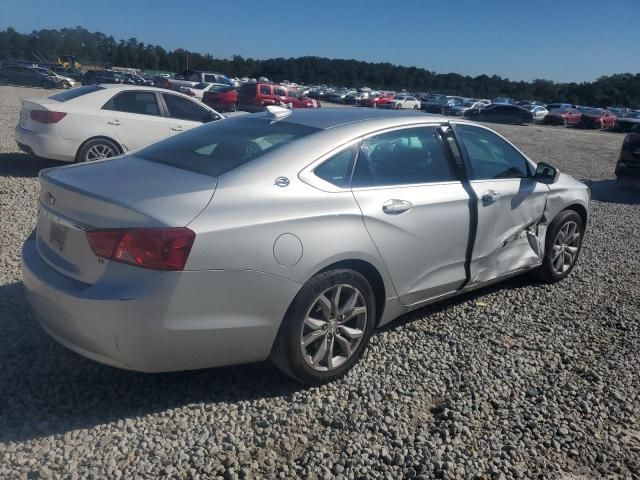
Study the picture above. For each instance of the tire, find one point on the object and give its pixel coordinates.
(326, 329)
(4, 81)
(90, 150)
(233, 108)
(64, 84)
(556, 233)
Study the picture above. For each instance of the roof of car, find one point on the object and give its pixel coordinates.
(325, 118)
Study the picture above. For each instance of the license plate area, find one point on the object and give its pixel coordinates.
(58, 236)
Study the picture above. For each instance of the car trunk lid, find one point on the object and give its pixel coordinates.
(125, 192)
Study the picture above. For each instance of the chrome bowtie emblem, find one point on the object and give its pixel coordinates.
(282, 182)
(49, 199)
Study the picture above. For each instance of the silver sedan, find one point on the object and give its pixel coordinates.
(289, 235)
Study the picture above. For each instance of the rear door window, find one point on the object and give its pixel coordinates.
(140, 102)
(265, 90)
(183, 109)
(402, 157)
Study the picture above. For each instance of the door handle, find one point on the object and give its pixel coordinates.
(490, 196)
(177, 129)
(114, 122)
(395, 206)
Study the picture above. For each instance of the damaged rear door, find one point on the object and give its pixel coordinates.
(510, 205)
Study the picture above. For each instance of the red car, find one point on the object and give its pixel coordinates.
(254, 97)
(378, 100)
(563, 116)
(223, 99)
(597, 118)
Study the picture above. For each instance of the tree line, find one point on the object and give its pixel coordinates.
(96, 48)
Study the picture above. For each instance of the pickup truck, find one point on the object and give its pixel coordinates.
(191, 78)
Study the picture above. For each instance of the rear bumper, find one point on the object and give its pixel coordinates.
(153, 321)
(48, 144)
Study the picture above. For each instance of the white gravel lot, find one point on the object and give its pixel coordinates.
(520, 380)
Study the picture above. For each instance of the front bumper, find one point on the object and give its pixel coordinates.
(46, 144)
(153, 321)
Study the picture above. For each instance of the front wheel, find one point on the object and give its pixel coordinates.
(563, 244)
(327, 327)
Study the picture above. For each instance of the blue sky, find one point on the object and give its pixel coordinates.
(561, 40)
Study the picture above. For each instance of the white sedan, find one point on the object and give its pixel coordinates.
(100, 121)
(401, 102)
(538, 112)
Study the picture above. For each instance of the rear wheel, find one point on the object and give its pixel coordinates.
(563, 244)
(326, 328)
(97, 149)
(66, 85)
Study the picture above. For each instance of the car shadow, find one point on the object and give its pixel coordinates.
(607, 191)
(47, 389)
(18, 164)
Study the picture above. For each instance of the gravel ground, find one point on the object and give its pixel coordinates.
(521, 380)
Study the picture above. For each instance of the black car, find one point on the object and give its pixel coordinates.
(501, 113)
(627, 122)
(628, 166)
(435, 104)
(94, 77)
(27, 76)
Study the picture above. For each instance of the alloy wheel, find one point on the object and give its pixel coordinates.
(333, 327)
(100, 151)
(565, 247)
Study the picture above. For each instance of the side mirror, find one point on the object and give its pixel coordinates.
(546, 173)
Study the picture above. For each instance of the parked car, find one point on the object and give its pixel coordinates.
(219, 246)
(222, 99)
(28, 76)
(63, 82)
(501, 113)
(100, 121)
(526, 103)
(197, 91)
(339, 95)
(437, 104)
(562, 116)
(596, 118)
(459, 109)
(627, 122)
(191, 78)
(135, 79)
(628, 166)
(98, 77)
(400, 102)
(539, 113)
(375, 101)
(254, 97)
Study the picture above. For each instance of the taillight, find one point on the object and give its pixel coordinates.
(47, 116)
(155, 248)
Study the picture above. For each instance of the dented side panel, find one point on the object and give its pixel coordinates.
(511, 227)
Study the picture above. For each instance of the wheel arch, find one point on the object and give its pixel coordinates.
(580, 210)
(98, 137)
(373, 276)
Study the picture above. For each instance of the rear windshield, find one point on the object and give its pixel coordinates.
(75, 93)
(222, 146)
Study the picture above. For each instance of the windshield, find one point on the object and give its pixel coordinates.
(632, 115)
(219, 147)
(200, 86)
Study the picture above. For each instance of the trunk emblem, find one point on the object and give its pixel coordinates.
(49, 199)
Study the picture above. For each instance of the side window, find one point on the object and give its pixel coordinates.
(402, 157)
(143, 103)
(281, 92)
(490, 156)
(337, 169)
(184, 109)
(265, 90)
